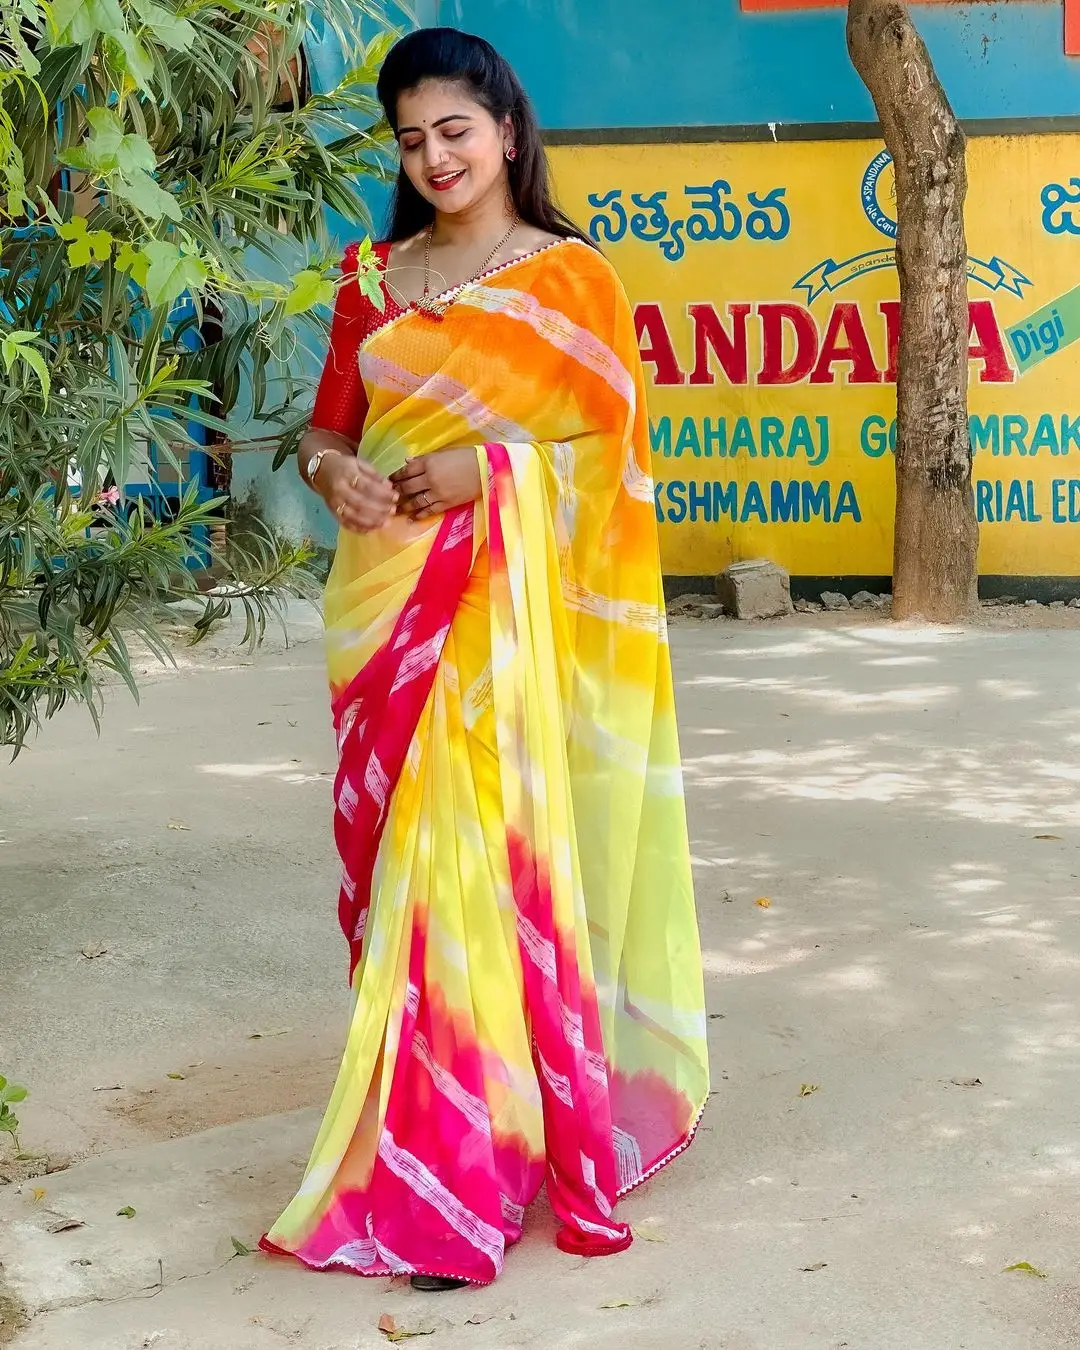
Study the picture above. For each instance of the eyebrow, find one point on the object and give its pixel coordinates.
(450, 117)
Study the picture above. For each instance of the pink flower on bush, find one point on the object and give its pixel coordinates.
(110, 497)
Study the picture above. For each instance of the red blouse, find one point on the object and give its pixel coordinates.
(341, 402)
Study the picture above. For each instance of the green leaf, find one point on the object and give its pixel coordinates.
(18, 346)
(84, 245)
(309, 289)
(8, 1123)
(27, 60)
(134, 262)
(126, 1213)
(146, 196)
(84, 20)
(169, 29)
(171, 272)
(111, 148)
(1025, 1268)
(240, 1248)
(127, 160)
(14, 1094)
(370, 282)
(129, 54)
(36, 362)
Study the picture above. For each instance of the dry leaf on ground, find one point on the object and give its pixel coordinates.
(966, 1082)
(820, 1265)
(1025, 1268)
(390, 1329)
(763, 902)
(65, 1225)
(808, 1089)
(93, 950)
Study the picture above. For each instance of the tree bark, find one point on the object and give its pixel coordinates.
(935, 548)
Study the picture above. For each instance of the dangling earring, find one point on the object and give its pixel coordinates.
(511, 153)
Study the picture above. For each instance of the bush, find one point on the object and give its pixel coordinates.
(155, 159)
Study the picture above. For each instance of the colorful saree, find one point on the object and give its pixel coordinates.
(516, 888)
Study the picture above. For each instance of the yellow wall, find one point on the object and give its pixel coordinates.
(723, 493)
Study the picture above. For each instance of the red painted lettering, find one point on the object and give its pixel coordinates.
(845, 341)
(730, 349)
(890, 309)
(990, 347)
(660, 352)
(776, 318)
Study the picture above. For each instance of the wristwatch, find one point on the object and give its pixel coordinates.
(313, 464)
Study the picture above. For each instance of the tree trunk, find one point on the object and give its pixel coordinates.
(935, 563)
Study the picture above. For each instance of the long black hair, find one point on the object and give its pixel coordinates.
(459, 58)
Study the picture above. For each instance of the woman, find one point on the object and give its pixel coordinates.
(509, 809)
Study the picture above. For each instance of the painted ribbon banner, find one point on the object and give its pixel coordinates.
(765, 293)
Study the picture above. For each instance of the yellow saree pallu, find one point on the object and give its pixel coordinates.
(516, 884)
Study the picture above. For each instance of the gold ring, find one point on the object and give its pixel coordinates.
(341, 511)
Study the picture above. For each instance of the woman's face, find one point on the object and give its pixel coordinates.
(452, 149)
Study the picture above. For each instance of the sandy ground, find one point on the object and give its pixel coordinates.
(894, 1036)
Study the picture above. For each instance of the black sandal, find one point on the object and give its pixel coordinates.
(436, 1284)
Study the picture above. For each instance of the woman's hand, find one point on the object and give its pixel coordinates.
(437, 482)
(360, 497)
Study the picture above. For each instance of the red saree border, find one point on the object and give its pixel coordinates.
(376, 715)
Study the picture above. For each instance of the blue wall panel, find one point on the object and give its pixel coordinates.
(611, 63)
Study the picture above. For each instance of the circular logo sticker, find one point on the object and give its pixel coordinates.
(878, 194)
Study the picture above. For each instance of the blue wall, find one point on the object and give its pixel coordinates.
(612, 63)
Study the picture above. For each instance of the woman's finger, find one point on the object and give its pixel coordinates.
(369, 473)
(411, 500)
(358, 492)
(414, 502)
(412, 468)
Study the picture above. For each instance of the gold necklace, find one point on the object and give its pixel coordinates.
(429, 305)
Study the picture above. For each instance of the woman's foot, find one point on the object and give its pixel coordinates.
(436, 1284)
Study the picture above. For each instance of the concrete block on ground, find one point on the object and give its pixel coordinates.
(755, 590)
